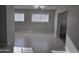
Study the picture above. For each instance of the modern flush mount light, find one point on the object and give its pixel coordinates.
(39, 7)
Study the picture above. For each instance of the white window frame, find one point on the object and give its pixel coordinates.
(40, 17)
(19, 17)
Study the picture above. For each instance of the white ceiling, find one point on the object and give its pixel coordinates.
(46, 6)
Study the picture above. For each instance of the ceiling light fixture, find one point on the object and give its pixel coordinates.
(39, 7)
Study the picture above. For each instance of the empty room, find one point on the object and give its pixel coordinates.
(39, 28)
(34, 30)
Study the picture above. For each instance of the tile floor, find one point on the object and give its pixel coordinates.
(39, 42)
(22, 50)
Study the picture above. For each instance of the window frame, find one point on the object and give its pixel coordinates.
(19, 20)
(40, 16)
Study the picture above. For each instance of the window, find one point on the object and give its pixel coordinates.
(19, 17)
(40, 17)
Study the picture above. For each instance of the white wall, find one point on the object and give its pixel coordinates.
(73, 27)
(39, 27)
(10, 27)
(70, 46)
(72, 38)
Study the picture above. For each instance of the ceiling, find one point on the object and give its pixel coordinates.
(46, 6)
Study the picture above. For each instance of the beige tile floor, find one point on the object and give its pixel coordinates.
(22, 50)
(39, 42)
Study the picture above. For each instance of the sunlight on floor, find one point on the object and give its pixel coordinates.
(22, 50)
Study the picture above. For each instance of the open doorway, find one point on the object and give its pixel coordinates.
(62, 25)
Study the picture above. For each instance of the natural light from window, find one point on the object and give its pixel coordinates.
(19, 17)
(40, 17)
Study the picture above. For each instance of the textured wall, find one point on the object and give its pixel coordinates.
(35, 27)
(73, 26)
(10, 27)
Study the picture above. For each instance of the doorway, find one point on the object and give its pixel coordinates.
(62, 25)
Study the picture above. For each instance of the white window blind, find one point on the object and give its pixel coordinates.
(40, 17)
(19, 17)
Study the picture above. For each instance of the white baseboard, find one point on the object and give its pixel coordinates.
(70, 47)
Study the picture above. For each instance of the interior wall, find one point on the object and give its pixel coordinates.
(70, 46)
(10, 27)
(72, 36)
(73, 26)
(28, 26)
(3, 32)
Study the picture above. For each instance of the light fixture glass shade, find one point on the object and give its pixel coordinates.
(39, 7)
(36, 6)
(42, 7)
